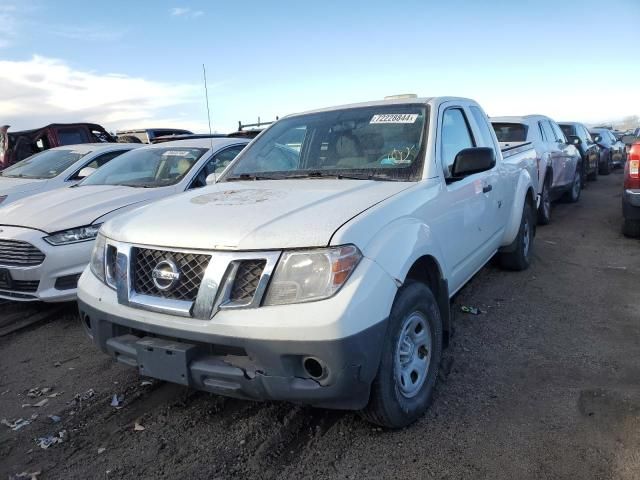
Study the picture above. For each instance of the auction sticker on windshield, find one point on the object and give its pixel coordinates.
(394, 118)
(177, 153)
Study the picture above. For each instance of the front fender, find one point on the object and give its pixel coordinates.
(400, 243)
(523, 187)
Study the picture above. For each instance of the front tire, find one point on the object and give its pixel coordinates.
(606, 169)
(403, 388)
(518, 256)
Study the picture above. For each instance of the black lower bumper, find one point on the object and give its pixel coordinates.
(245, 368)
(629, 211)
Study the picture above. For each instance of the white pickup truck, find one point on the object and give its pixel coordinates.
(319, 268)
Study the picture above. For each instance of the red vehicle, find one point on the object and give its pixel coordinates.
(631, 193)
(16, 146)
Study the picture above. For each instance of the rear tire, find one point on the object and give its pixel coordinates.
(573, 195)
(593, 176)
(403, 388)
(631, 228)
(544, 210)
(606, 170)
(519, 255)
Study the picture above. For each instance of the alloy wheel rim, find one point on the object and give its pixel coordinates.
(413, 355)
(527, 238)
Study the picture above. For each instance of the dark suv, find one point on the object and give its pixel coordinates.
(16, 146)
(577, 134)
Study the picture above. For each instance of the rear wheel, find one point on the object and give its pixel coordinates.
(631, 228)
(544, 210)
(573, 195)
(403, 387)
(606, 169)
(518, 256)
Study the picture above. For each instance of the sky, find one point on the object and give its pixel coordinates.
(127, 64)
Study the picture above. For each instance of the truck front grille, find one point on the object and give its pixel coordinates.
(246, 282)
(15, 253)
(191, 268)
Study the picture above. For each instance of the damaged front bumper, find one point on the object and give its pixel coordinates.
(328, 374)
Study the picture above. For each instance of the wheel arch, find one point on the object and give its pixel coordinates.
(427, 270)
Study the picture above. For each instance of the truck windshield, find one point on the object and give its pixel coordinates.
(147, 167)
(377, 143)
(47, 164)
(510, 132)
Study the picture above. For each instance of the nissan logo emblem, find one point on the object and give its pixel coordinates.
(165, 275)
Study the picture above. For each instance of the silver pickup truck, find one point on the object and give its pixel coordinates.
(558, 160)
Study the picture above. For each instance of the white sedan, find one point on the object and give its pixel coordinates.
(55, 168)
(46, 239)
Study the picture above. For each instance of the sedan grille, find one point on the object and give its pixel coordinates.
(15, 253)
(20, 285)
(246, 281)
(191, 268)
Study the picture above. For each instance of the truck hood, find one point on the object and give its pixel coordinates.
(253, 215)
(66, 208)
(9, 185)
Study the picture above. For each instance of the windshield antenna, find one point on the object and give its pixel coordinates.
(206, 96)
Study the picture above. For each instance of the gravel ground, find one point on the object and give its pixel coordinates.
(544, 384)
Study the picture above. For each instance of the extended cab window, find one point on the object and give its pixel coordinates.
(559, 134)
(510, 132)
(483, 124)
(548, 131)
(456, 136)
(383, 142)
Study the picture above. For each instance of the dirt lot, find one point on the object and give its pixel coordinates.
(544, 384)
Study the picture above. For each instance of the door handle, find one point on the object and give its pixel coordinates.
(487, 188)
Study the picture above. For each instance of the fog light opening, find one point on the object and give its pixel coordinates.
(87, 321)
(315, 368)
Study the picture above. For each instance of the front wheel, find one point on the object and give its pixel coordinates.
(606, 169)
(631, 228)
(518, 255)
(403, 388)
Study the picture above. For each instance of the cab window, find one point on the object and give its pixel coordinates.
(456, 136)
(217, 164)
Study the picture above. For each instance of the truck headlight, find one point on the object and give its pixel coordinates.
(97, 257)
(308, 275)
(73, 235)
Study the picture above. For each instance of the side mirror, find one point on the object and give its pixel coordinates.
(573, 140)
(597, 138)
(211, 178)
(473, 160)
(85, 172)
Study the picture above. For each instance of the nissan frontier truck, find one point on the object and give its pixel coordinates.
(319, 267)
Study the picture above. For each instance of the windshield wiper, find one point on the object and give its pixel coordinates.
(247, 176)
(343, 176)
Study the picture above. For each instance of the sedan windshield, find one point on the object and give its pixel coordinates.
(147, 167)
(510, 132)
(47, 164)
(376, 143)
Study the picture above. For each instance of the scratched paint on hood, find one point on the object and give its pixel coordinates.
(237, 197)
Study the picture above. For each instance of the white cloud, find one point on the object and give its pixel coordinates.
(185, 12)
(45, 90)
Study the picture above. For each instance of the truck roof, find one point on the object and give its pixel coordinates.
(215, 142)
(519, 118)
(51, 125)
(377, 103)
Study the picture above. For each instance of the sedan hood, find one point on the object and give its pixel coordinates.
(71, 207)
(259, 215)
(10, 185)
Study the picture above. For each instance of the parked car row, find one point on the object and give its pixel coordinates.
(568, 154)
(312, 264)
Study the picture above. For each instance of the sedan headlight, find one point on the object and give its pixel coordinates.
(74, 235)
(97, 257)
(3, 198)
(308, 275)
